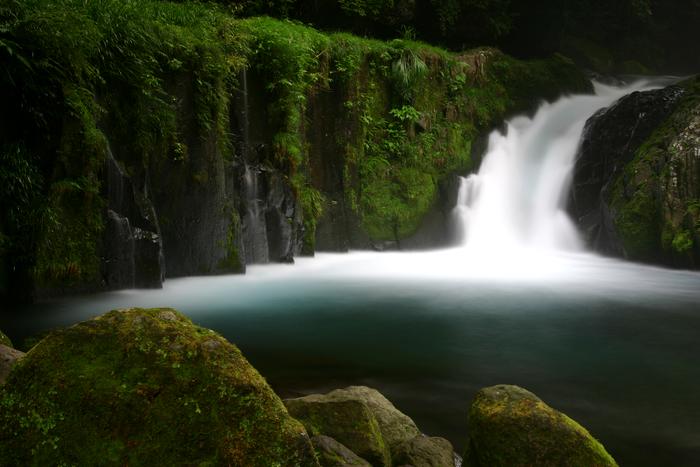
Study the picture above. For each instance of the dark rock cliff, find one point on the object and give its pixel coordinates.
(635, 187)
(609, 142)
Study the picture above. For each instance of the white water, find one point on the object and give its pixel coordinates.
(517, 200)
(514, 233)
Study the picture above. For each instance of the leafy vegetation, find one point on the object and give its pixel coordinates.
(155, 81)
(625, 36)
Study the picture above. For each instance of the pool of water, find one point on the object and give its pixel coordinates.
(614, 345)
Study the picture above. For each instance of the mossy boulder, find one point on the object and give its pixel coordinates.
(333, 454)
(396, 427)
(425, 451)
(8, 358)
(144, 387)
(358, 417)
(4, 340)
(348, 421)
(510, 426)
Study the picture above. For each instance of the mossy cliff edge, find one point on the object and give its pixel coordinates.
(148, 387)
(145, 139)
(637, 180)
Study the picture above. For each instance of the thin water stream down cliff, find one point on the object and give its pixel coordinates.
(517, 300)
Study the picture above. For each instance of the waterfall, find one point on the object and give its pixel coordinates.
(517, 200)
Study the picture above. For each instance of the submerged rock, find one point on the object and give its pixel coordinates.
(510, 426)
(144, 387)
(333, 454)
(8, 358)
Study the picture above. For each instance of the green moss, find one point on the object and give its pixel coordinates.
(637, 223)
(157, 78)
(348, 421)
(682, 242)
(509, 426)
(232, 262)
(654, 210)
(312, 202)
(143, 387)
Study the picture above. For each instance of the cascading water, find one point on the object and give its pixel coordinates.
(517, 199)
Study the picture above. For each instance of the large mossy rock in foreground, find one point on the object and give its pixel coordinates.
(510, 426)
(144, 387)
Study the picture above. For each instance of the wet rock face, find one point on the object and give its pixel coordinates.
(132, 253)
(272, 225)
(144, 387)
(610, 139)
(510, 426)
(637, 183)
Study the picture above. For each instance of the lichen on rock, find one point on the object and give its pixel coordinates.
(144, 387)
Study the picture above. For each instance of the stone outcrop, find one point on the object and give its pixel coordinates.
(132, 252)
(636, 185)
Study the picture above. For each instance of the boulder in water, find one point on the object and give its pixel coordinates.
(144, 387)
(510, 426)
